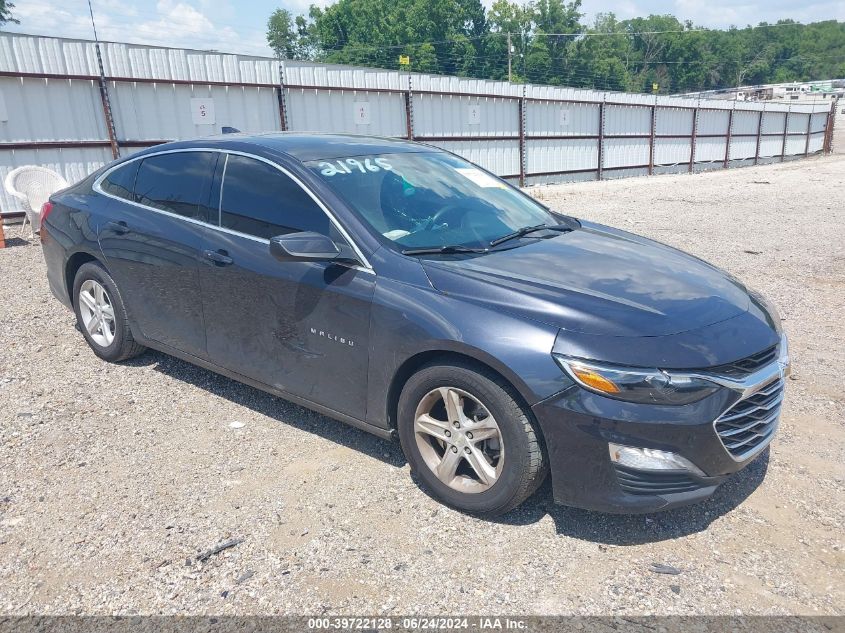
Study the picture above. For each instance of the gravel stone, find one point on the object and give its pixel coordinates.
(121, 452)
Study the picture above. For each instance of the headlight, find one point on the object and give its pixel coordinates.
(647, 386)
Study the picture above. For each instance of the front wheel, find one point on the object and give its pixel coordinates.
(469, 440)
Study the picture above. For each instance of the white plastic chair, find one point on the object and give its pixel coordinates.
(33, 186)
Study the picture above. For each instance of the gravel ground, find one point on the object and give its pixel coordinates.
(114, 478)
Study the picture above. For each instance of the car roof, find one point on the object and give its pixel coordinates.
(305, 146)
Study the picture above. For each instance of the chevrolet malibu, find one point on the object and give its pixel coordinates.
(400, 289)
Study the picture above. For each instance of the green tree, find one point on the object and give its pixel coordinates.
(282, 35)
(6, 13)
(551, 46)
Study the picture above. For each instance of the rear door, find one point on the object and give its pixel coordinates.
(301, 327)
(151, 243)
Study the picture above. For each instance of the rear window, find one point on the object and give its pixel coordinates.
(179, 183)
(121, 181)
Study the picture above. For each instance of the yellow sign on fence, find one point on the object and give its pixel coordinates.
(655, 87)
(404, 60)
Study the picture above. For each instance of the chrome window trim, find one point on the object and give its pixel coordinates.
(220, 197)
(366, 267)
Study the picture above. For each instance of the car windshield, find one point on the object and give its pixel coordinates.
(422, 200)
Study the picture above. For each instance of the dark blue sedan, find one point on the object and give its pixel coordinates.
(398, 288)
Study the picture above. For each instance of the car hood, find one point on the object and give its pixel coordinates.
(596, 280)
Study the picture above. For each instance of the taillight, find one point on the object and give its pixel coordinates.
(46, 208)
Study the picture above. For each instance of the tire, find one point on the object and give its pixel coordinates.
(117, 343)
(516, 457)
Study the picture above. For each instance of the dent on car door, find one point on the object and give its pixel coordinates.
(301, 327)
(153, 254)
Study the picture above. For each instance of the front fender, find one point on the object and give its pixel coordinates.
(408, 320)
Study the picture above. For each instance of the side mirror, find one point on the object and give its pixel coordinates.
(305, 246)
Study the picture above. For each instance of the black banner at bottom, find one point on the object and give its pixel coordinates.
(402, 624)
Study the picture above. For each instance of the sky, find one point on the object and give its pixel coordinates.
(239, 27)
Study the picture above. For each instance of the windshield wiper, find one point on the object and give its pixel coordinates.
(443, 250)
(525, 230)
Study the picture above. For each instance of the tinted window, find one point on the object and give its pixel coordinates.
(178, 183)
(260, 200)
(121, 181)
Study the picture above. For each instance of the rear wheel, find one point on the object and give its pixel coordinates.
(469, 440)
(101, 315)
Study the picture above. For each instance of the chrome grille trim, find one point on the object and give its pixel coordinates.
(748, 426)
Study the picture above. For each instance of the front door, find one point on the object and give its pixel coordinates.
(301, 327)
(151, 244)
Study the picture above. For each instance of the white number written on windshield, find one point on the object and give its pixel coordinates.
(349, 165)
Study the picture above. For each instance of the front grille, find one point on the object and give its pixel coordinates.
(653, 482)
(747, 365)
(750, 423)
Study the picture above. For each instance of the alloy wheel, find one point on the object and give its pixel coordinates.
(459, 439)
(97, 312)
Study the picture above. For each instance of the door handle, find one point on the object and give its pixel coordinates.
(220, 258)
(118, 227)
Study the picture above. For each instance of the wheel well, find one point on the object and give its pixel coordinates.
(413, 364)
(73, 265)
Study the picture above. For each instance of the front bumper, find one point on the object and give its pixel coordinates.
(578, 425)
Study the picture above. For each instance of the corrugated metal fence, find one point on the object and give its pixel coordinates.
(53, 113)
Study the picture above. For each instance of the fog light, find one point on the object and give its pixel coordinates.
(650, 459)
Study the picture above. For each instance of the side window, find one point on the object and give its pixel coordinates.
(121, 181)
(260, 200)
(178, 182)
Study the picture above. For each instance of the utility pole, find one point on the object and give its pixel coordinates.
(510, 49)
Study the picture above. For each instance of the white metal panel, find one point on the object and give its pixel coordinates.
(798, 122)
(710, 149)
(819, 122)
(817, 142)
(546, 118)
(51, 110)
(499, 157)
(149, 62)
(312, 110)
(795, 145)
(624, 152)
(670, 151)
(448, 115)
(36, 54)
(773, 122)
(627, 120)
(162, 111)
(72, 164)
(712, 121)
(745, 123)
(743, 147)
(561, 155)
(770, 146)
(673, 121)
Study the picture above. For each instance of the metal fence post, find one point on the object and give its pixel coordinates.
(809, 129)
(759, 134)
(409, 111)
(522, 138)
(693, 137)
(728, 137)
(785, 133)
(828, 128)
(104, 97)
(283, 114)
(601, 139)
(651, 139)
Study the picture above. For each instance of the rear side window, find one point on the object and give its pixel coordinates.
(178, 183)
(121, 181)
(260, 200)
